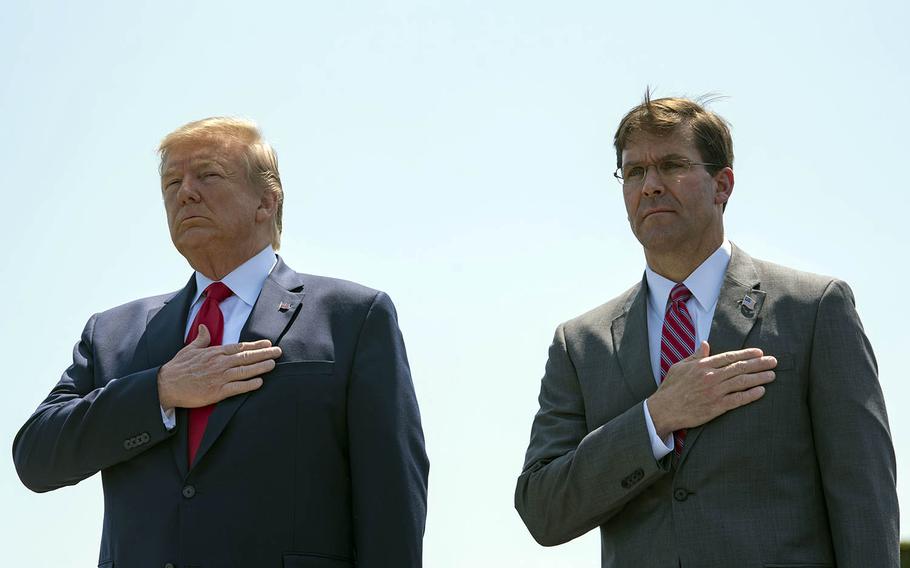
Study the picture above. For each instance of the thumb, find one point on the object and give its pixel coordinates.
(702, 351)
(203, 338)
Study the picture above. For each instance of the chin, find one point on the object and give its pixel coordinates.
(191, 240)
(659, 240)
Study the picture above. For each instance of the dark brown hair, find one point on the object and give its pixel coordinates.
(662, 116)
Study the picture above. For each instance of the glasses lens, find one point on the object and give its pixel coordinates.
(633, 174)
(673, 168)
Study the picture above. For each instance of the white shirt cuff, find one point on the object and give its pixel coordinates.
(659, 447)
(169, 417)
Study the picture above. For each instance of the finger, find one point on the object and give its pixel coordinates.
(243, 372)
(729, 357)
(234, 348)
(742, 398)
(746, 366)
(250, 357)
(746, 381)
(203, 337)
(239, 387)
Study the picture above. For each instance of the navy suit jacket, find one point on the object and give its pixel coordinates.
(323, 466)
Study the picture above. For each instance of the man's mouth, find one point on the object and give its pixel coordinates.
(655, 211)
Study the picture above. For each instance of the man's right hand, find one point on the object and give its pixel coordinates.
(200, 375)
(700, 388)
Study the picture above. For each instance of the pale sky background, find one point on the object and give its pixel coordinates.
(456, 154)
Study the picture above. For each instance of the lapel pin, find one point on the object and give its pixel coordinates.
(751, 303)
(284, 306)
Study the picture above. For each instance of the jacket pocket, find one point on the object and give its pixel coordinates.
(786, 361)
(303, 368)
(301, 560)
(800, 565)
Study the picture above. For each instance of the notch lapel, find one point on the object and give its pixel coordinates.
(731, 324)
(276, 308)
(630, 338)
(164, 337)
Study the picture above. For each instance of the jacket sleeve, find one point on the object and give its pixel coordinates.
(389, 465)
(575, 479)
(84, 425)
(853, 443)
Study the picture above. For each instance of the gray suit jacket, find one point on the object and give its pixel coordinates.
(805, 476)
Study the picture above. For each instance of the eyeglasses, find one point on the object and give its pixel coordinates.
(667, 169)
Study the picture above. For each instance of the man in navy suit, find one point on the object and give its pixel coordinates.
(257, 417)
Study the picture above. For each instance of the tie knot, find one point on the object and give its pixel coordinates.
(218, 292)
(680, 293)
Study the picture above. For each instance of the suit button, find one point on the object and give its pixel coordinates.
(681, 494)
(169, 565)
(189, 491)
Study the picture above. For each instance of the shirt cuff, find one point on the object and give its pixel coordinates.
(659, 447)
(169, 417)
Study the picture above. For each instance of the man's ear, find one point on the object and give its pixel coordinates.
(723, 186)
(268, 205)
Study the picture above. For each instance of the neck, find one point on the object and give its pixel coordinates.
(677, 267)
(215, 265)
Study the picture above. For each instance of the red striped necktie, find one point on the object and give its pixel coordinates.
(210, 315)
(677, 341)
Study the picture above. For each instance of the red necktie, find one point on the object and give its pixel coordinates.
(210, 315)
(677, 341)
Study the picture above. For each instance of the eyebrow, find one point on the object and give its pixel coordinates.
(670, 156)
(198, 163)
(205, 162)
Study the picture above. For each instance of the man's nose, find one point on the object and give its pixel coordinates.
(187, 192)
(652, 184)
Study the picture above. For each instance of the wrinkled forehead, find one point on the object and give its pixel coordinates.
(644, 146)
(182, 155)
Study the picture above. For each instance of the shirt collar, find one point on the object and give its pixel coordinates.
(246, 280)
(704, 282)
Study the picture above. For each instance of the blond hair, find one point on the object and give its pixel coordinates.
(258, 156)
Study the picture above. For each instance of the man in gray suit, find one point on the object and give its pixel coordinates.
(724, 411)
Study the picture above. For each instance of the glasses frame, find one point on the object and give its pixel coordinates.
(689, 163)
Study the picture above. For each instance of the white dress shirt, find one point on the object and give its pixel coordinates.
(704, 283)
(245, 282)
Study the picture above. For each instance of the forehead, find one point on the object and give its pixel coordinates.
(646, 146)
(187, 154)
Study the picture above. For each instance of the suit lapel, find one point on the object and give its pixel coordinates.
(732, 322)
(630, 337)
(165, 331)
(274, 311)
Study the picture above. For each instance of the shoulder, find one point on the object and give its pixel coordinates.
(603, 315)
(337, 289)
(785, 276)
(325, 290)
(797, 294)
(342, 300)
(126, 322)
(786, 282)
(136, 309)
(347, 305)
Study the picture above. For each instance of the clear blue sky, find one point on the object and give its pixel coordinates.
(456, 154)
